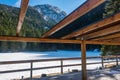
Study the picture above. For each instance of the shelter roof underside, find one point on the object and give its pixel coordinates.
(81, 24)
(88, 27)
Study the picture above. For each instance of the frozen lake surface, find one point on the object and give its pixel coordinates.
(41, 55)
(44, 55)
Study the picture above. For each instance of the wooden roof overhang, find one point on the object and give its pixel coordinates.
(108, 28)
(82, 10)
(106, 31)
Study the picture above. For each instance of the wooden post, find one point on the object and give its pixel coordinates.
(116, 60)
(83, 60)
(22, 78)
(31, 72)
(102, 61)
(61, 66)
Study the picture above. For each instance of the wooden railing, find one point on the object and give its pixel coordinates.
(116, 60)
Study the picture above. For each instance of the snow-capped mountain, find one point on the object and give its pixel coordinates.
(50, 12)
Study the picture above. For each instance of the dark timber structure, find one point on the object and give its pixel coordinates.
(105, 31)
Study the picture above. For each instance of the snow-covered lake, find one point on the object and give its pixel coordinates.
(41, 55)
(44, 55)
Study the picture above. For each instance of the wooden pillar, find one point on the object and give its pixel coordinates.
(31, 70)
(102, 61)
(61, 66)
(83, 60)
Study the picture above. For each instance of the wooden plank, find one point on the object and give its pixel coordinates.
(102, 62)
(102, 43)
(110, 21)
(31, 70)
(117, 61)
(44, 60)
(61, 66)
(47, 60)
(100, 33)
(23, 9)
(26, 39)
(38, 60)
(117, 39)
(108, 36)
(89, 5)
(83, 60)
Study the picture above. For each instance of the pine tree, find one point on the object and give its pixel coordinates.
(33, 26)
(112, 6)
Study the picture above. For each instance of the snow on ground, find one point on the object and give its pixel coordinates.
(19, 56)
(97, 74)
(29, 56)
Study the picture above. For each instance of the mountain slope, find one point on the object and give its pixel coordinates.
(35, 20)
(50, 12)
(34, 26)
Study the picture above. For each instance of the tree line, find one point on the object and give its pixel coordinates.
(34, 26)
(112, 6)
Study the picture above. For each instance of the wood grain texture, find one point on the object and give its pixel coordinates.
(103, 32)
(23, 9)
(107, 37)
(110, 21)
(83, 60)
(46, 40)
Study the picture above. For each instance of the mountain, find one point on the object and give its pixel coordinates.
(38, 19)
(50, 12)
(35, 24)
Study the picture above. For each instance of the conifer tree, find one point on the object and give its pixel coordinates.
(112, 6)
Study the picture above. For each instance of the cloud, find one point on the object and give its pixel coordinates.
(17, 4)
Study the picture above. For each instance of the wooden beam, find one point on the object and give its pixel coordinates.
(26, 39)
(110, 21)
(23, 9)
(44, 40)
(102, 42)
(83, 60)
(89, 5)
(107, 37)
(100, 33)
(116, 39)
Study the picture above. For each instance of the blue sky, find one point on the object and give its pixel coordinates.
(65, 5)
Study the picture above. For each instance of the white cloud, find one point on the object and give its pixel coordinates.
(17, 4)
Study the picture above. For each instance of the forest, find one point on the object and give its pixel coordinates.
(112, 7)
(35, 25)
